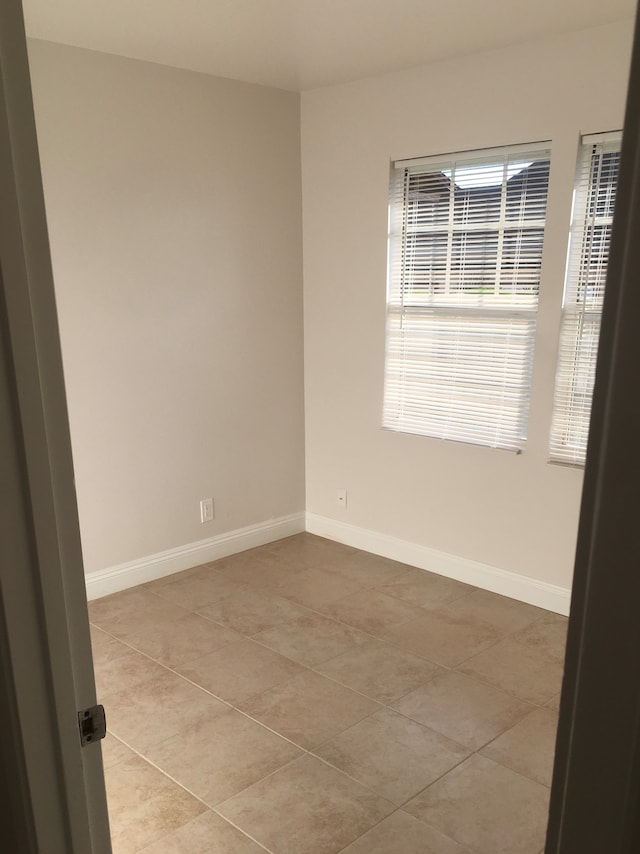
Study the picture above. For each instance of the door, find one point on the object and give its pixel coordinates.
(595, 796)
(55, 787)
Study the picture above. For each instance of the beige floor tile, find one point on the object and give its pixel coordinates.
(250, 611)
(521, 669)
(529, 747)
(463, 709)
(487, 807)
(158, 709)
(182, 640)
(506, 615)
(174, 576)
(124, 673)
(258, 570)
(372, 611)
(309, 709)
(217, 758)
(370, 570)
(312, 639)
(195, 589)
(444, 638)
(425, 589)
(104, 647)
(207, 834)
(114, 751)
(401, 833)
(380, 670)
(144, 804)
(306, 808)
(121, 614)
(392, 755)
(548, 636)
(316, 587)
(306, 550)
(258, 556)
(240, 670)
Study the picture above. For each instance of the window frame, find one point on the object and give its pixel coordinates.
(579, 320)
(516, 310)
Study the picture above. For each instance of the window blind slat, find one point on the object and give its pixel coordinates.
(593, 207)
(465, 253)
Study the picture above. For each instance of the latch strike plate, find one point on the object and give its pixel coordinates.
(92, 723)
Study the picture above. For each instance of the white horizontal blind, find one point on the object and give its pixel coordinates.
(465, 252)
(592, 218)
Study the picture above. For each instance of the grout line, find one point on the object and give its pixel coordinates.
(362, 835)
(260, 845)
(463, 848)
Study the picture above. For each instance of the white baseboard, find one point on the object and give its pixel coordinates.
(521, 587)
(149, 568)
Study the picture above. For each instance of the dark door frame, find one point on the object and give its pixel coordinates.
(57, 800)
(595, 807)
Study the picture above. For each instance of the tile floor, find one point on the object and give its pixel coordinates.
(308, 698)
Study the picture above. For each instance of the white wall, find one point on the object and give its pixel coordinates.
(173, 202)
(514, 512)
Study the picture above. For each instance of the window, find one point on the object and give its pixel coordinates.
(465, 253)
(592, 217)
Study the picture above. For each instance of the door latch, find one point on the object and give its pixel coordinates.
(92, 723)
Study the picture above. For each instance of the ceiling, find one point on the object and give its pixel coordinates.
(304, 44)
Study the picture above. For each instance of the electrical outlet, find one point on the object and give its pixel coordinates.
(342, 498)
(206, 510)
